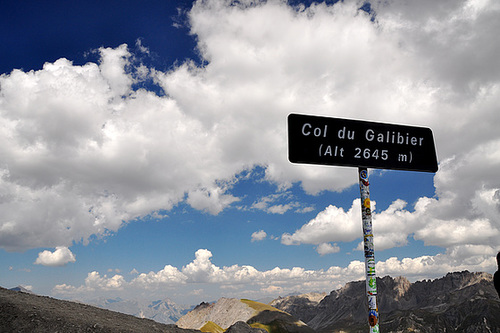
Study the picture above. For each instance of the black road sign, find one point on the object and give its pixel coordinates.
(346, 142)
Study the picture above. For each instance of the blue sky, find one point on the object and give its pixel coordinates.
(144, 144)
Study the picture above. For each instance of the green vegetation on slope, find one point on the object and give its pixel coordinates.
(259, 307)
(273, 328)
(212, 327)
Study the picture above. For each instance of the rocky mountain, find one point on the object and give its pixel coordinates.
(21, 288)
(28, 313)
(458, 302)
(301, 306)
(163, 311)
(216, 317)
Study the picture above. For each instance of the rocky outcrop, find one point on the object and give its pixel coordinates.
(302, 306)
(226, 312)
(242, 327)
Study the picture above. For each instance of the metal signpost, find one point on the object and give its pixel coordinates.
(362, 144)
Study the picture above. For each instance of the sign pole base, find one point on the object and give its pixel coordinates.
(371, 279)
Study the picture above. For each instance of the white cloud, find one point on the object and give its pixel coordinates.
(428, 222)
(259, 235)
(457, 258)
(202, 269)
(203, 279)
(112, 68)
(202, 272)
(142, 48)
(211, 200)
(280, 203)
(60, 257)
(168, 275)
(331, 225)
(95, 281)
(326, 248)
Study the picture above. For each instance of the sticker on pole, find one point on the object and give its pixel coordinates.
(347, 142)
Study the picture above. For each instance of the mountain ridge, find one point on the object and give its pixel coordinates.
(163, 311)
(459, 301)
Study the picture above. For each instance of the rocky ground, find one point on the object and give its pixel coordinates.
(23, 312)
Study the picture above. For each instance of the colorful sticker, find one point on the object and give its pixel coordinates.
(363, 175)
(372, 302)
(370, 266)
(367, 230)
(368, 245)
(372, 284)
(373, 318)
(366, 203)
(365, 190)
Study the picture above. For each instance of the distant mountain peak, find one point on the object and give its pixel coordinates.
(163, 311)
(21, 289)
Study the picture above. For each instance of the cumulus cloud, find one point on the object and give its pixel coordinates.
(202, 269)
(202, 272)
(93, 283)
(331, 225)
(60, 257)
(108, 163)
(395, 226)
(202, 275)
(168, 275)
(326, 248)
(212, 200)
(259, 235)
(280, 203)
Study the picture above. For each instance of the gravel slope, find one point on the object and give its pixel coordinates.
(23, 312)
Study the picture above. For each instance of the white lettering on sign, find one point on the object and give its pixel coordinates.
(317, 131)
(343, 132)
(329, 151)
(393, 137)
(367, 153)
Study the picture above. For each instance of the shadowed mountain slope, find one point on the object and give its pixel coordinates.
(23, 312)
